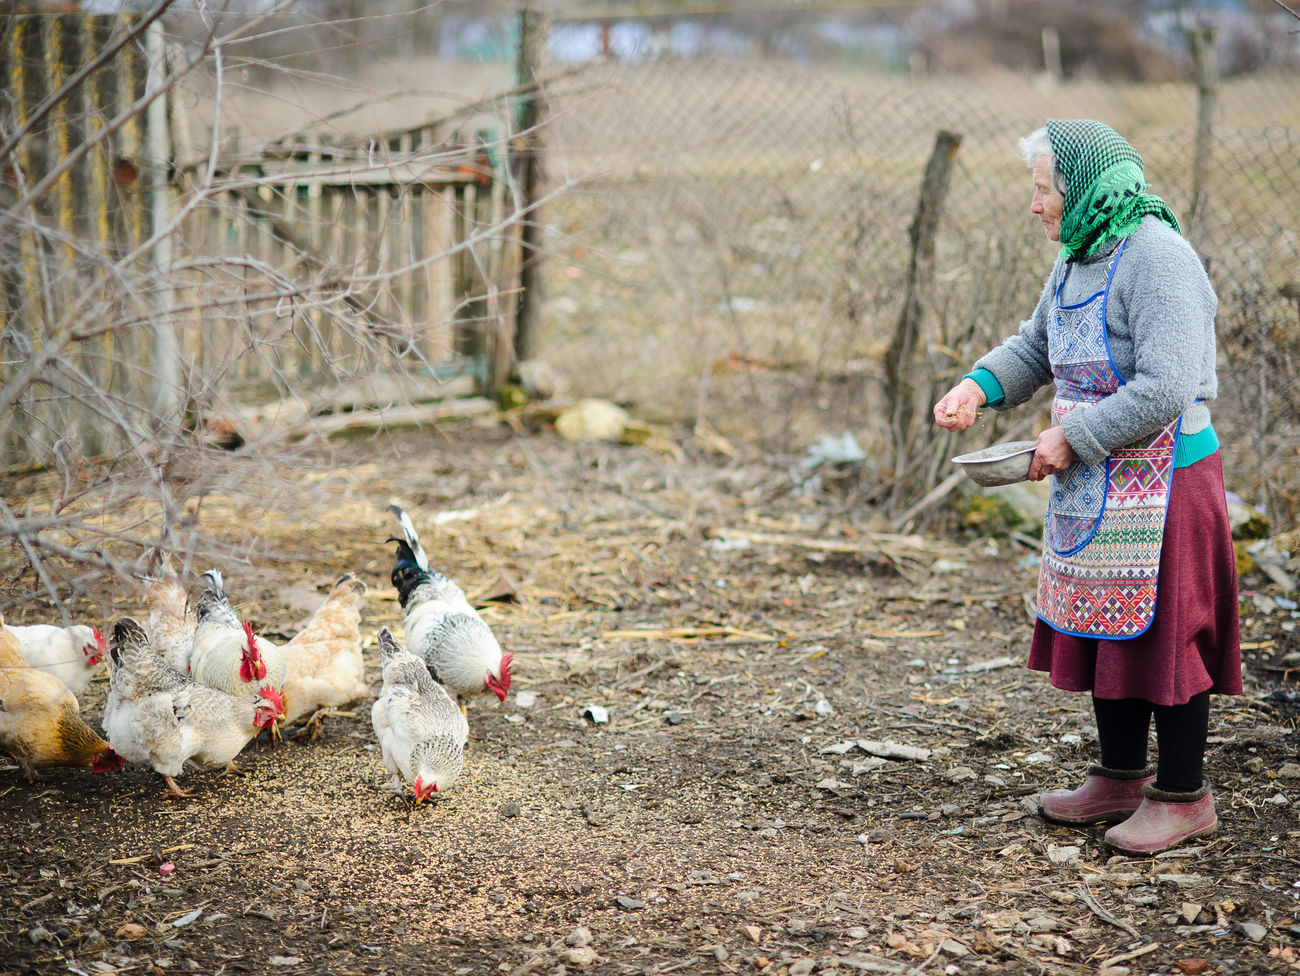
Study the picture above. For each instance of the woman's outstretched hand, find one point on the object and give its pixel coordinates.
(960, 406)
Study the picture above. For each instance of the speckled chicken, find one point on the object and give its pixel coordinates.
(157, 716)
(170, 620)
(225, 653)
(440, 624)
(40, 721)
(421, 731)
(323, 665)
(72, 654)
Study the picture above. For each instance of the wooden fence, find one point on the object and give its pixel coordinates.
(126, 269)
(394, 233)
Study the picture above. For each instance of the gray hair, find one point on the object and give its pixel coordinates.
(1036, 144)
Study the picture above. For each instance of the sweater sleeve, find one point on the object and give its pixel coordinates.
(993, 395)
(1161, 312)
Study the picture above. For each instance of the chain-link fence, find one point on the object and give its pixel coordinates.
(736, 232)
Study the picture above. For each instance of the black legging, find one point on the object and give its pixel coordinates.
(1122, 728)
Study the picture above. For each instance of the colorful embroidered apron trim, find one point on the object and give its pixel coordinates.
(1105, 522)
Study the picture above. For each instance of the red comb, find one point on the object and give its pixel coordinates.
(499, 686)
(272, 694)
(253, 667)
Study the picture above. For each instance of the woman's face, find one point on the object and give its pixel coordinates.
(1048, 204)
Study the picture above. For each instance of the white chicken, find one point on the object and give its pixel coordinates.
(158, 716)
(72, 654)
(323, 661)
(441, 626)
(170, 620)
(421, 731)
(225, 652)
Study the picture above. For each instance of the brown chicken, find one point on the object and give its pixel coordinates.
(40, 721)
(323, 661)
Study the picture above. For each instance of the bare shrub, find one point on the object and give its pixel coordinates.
(135, 344)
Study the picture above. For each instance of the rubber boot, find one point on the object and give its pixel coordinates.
(1106, 795)
(1163, 820)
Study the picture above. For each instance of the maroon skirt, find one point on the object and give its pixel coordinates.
(1193, 644)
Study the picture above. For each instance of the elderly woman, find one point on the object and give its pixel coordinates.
(1137, 593)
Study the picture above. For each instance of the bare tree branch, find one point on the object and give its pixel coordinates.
(1293, 13)
(84, 306)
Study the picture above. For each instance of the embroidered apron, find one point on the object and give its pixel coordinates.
(1105, 522)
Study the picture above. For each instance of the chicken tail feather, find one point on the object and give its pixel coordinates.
(388, 646)
(216, 583)
(127, 634)
(413, 549)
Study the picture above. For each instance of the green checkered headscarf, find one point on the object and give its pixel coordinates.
(1107, 195)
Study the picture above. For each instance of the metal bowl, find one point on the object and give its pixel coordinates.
(1001, 464)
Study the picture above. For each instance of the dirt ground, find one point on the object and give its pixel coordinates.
(821, 754)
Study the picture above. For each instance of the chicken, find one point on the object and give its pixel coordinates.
(323, 666)
(421, 731)
(156, 715)
(440, 625)
(40, 721)
(72, 654)
(225, 653)
(170, 620)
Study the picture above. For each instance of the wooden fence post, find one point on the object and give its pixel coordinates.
(10, 248)
(167, 398)
(1207, 92)
(529, 173)
(900, 357)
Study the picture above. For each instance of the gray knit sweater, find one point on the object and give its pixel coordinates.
(1160, 318)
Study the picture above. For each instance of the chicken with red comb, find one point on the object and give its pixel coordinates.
(156, 715)
(226, 653)
(440, 624)
(421, 732)
(72, 654)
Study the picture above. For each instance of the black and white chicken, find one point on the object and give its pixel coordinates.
(440, 625)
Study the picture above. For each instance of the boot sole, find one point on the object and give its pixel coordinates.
(1204, 832)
